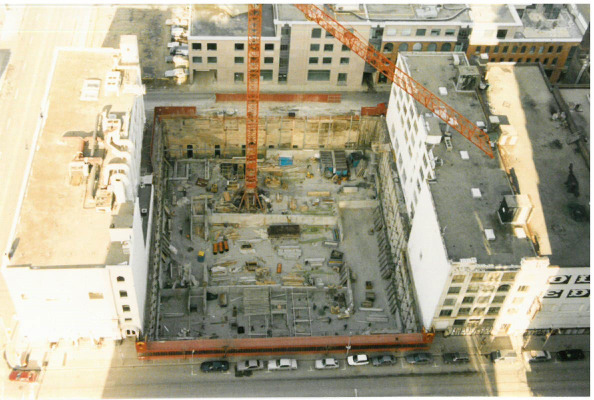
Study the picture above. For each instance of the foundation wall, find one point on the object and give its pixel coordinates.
(269, 219)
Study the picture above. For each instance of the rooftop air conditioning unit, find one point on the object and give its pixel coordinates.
(467, 78)
(514, 209)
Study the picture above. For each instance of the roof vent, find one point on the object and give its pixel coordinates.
(490, 234)
(480, 124)
(464, 155)
(476, 193)
(90, 90)
(112, 82)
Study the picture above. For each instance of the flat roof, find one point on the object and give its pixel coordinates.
(462, 217)
(581, 96)
(228, 20)
(536, 25)
(541, 159)
(492, 13)
(55, 229)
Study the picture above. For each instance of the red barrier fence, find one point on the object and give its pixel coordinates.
(283, 97)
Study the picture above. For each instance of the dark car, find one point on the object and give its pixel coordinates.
(378, 361)
(570, 355)
(456, 358)
(214, 366)
(418, 358)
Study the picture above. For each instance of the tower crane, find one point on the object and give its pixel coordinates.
(371, 56)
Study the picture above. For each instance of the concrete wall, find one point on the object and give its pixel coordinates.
(139, 267)
(268, 219)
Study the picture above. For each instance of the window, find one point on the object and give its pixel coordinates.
(286, 30)
(269, 46)
(541, 50)
(454, 290)
(239, 46)
(283, 62)
(197, 60)
(528, 59)
(313, 60)
(432, 47)
(282, 78)
(388, 47)
(464, 311)
(238, 77)
(95, 296)
(559, 49)
(487, 49)
(211, 46)
(123, 293)
(450, 32)
(406, 32)
(126, 308)
(458, 279)
(266, 74)
(268, 60)
(515, 49)
(508, 276)
(492, 59)
(495, 49)
(212, 60)
(498, 299)
(449, 302)
(342, 78)
(468, 300)
(314, 47)
(477, 49)
(328, 47)
(318, 75)
(403, 47)
(284, 47)
(446, 47)
(550, 49)
(478, 311)
(445, 313)
(344, 60)
(493, 311)
(316, 33)
(477, 277)
(459, 322)
(417, 47)
(483, 299)
(421, 32)
(328, 34)
(523, 288)
(505, 49)
(510, 59)
(554, 61)
(435, 32)
(238, 60)
(532, 49)
(345, 48)
(501, 33)
(520, 59)
(503, 288)
(327, 60)
(120, 279)
(196, 46)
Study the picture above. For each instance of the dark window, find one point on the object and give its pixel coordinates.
(318, 75)
(268, 60)
(266, 74)
(468, 299)
(283, 62)
(493, 311)
(505, 49)
(126, 308)
(123, 293)
(286, 30)
(328, 47)
(197, 60)
(212, 60)
(551, 48)
(498, 299)
(510, 59)
(313, 60)
(388, 47)
(559, 49)
(432, 47)
(238, 77)
(520, 59)
(454, 289)
(269, 46)
(344, 60)
(435, 32)
(532, 49)
(345, 48)
(314, 47)
(120, 279)
(450, 32)
(508, 276)
(238, 60)
(459, 322)
(342, 78)
(445, 313)
(421, 32)
(545, 61)
(316, 33)
(196, 46)
(328, 34)
(495, 49)
(487, 49)
(446, 47)
(239, 46)
(555, 61)
(528, 59)
(284, 47)
(501, 33)
(327, 60)
(503, 288)
(211, 46)
(382, 79)
(515, 49)
(403, 47)
(478, 49)
(492, 59)
(282, 78)
(464, 311)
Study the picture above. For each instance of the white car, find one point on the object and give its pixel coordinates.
(326, 363)
(282, 364)
(536, 356)
(250, 365)
(359, 359)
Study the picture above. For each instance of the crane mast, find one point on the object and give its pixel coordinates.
(250, 195)
(421, 94)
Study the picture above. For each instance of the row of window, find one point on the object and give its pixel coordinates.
(327, 60)
(466, 311)
(313, 75)
(450, 301)
(389, 47)
(327, 47)
(480, 276)
(515, 49)
(238, 46)
(543, 61)
(475, 288)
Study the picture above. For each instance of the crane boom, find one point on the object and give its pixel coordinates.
(250, 195)
(420, 93)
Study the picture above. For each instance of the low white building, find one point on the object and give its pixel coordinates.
(475, 263)
(77, 267)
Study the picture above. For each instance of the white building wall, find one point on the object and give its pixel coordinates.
(427, 257)
(139, 263)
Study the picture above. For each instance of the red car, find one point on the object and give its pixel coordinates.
(23, 376)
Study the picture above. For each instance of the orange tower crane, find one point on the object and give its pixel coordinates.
(420, 93)
(250, 195)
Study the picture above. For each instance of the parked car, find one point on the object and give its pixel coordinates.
(214, 366)
(503, 356)
(387, 359)
(418, 358)
(21, 375)
(282, 364)
(536, 356)
(327, 363)
(358, 359)
(456, 358)
(570, 355)
(250, 365)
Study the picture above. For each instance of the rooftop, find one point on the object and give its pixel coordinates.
(462, 217)
(538, 25)
(492, 13)
(228, 20)
(55, 229)
(541, 159)
(578, 101)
